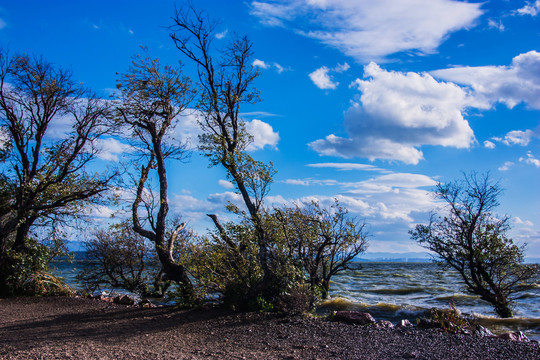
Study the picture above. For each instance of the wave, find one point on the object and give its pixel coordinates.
(457, 297)
(380, 310)
(402, 291)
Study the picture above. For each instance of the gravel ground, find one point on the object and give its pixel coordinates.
(80, 328)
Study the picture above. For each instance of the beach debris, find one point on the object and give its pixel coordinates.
(404, 323)
(482, 331)
(124, 300)
(385, 324)
(354, 317)
(146, 304)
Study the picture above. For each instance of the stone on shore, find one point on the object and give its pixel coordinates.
(514, 336)
(385, 324)
(404, 323)
(124, 300)
(354, 317)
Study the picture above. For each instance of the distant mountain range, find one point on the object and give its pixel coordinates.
(419, 256)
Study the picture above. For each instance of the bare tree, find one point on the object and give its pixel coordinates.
(471, 239)
(152, 98)
(45, 177)
(226, 84)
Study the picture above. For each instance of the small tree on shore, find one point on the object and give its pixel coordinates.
(226, 84)
(471, 239)
(324, 239)
(152, 96)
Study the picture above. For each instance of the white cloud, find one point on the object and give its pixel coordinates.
(518, 137)
(371, 30)
(260, 63)
(532, 9)
(496, 24)
(279, 68)
(523, 222)
(489, 145)
(264, 65)
(110, 149)
(222, 34)
(346, 166)
(511, 85)
(263, 135)
(322, 79)
(397, 113)
(506, 166)
(226, 184)
(530, 160)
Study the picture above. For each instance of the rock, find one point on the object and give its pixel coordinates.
(354, 317)
(384, 324)
(404, 323)
(482, 331)
(146, 304)
(514, 336)
(105, 298)
(124, 300)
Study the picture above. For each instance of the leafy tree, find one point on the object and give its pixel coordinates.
(325, 240)
(120, 258)
(44, 178)
(471, 239)
(152, 97)
(225, 85)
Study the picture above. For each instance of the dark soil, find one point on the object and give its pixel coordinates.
(81, 328)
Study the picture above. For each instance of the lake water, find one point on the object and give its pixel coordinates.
(403, 290)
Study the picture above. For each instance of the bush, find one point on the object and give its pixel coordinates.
(26, 272)
(449, 320)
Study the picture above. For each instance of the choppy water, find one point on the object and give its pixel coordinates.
(402, 290)
(395, 291)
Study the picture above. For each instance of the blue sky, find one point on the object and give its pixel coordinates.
(370, 102)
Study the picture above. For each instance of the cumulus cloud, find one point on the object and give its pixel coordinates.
(382, 199)
(506, 166)
(396, 114)
(371, 30)
(518, 137)
(489, 145)
(263, 135)
(226, 184)
(530, 160)
(531, 9)
(517, 83)
(110, 149)
(322, 78)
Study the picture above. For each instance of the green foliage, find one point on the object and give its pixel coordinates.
(27, 272)
(120, 258)
(450, 320)
(470, 238)
(323, 240)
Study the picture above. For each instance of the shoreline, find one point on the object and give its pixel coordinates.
(77, 328)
